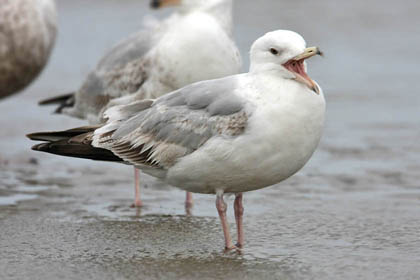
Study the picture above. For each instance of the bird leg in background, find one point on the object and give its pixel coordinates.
(137, 200)
(188, 200)
(239, 212)
(221, 209)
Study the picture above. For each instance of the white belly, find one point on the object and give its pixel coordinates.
(276, 144)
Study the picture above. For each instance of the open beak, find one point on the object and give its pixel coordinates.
(296, 65)
(156, 4)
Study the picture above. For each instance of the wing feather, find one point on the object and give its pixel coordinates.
(175, 125)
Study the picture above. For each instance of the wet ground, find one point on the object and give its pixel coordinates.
(353, 212)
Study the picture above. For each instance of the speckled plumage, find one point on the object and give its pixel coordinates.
(27, 35)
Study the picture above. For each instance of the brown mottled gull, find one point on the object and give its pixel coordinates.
(27, 35)
(229, 135)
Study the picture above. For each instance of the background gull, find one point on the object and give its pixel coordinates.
(27, 34)
(193, 44)
(229, 135)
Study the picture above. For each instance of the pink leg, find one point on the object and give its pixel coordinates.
(188, 200)
(239, 212)
(222, 208)
(137, 200)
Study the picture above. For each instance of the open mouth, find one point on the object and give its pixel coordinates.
(297, 67)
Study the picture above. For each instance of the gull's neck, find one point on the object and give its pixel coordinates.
(221, 10)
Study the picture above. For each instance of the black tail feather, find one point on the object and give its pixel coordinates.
(51, 136)
(64, 148)
(72, 143)
(63, 101)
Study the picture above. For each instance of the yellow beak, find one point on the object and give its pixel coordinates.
(309, 52)
(303, 77)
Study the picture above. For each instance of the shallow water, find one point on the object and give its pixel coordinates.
(352, 212)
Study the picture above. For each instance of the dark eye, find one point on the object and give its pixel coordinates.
(274, 51)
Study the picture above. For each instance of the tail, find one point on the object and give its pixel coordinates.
(63, 101)
(75, 142)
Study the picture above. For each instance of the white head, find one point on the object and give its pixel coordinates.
(188, 5)
(283, 51)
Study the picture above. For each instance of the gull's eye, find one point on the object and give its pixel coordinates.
(274, 51)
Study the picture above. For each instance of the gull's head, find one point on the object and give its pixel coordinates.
(189, 5)
(284, 51)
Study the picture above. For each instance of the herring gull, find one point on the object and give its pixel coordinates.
(27, 34)
(230, 135)
(193, 44)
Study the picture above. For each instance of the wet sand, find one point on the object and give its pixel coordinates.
(352, 213)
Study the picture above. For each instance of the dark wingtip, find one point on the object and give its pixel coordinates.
(60, 108)
(31, 136)
(155, 4)
(35, 136)
(63, 101)
(43, 147)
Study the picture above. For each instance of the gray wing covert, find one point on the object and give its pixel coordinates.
(122, 71)
(179, 123)
(101, 87)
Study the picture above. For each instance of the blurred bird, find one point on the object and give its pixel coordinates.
(193, 44)
(230, 135)
(27, 34)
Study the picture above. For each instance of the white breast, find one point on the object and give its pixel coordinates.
(283, 132)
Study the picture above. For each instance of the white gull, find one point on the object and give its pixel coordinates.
(230, 135)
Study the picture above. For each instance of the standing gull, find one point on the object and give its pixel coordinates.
(27, 34)
(230, 135)
(191, 45)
